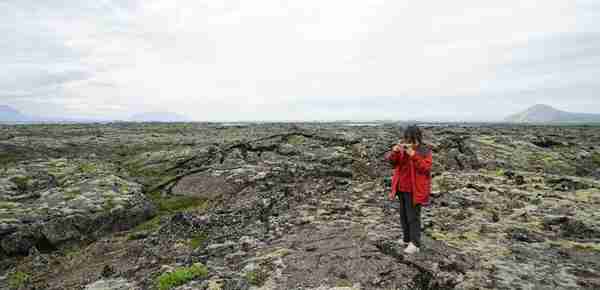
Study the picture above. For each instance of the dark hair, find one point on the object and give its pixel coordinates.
(413, 134)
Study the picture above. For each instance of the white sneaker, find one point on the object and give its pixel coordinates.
(411, 249)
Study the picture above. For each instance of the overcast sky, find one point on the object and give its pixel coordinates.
(299, 59)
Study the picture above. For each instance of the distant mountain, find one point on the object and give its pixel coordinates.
(159, 117)
(8, 114)
(546, 114)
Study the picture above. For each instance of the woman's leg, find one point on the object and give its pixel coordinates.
(414, 221)
(416, 226)
(403, 216)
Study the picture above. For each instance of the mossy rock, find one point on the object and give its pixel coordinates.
(596, 158)
(595, 247)
(281, 252)
(550, 162)
(442, 183)
(72, 253)
(22, 182)
(296, 140)
(88, 168)
(10, 158)
(148, 225)
(257, 277)
(586, 247)
(8, 205)
(176, 203)
(455, 239)
(470, 236)
(18, 280)
(109, 204)
(499, 172)
(198, 240)
(591, 195)
(72, 194)
(343, 283)
(216, 284)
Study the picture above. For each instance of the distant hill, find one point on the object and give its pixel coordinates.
(547, 114)
(159, 117)
(8, 114)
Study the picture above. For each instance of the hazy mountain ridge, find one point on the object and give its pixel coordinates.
(539, 113)
(9, 114)
(159, 117)
(546, 114)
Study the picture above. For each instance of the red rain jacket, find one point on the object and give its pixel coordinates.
(412, 173)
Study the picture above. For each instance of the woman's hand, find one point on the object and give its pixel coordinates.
(410, 151)
(391, 196)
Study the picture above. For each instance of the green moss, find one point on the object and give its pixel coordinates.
(257, 277)
(470, 236)
(167, 206)
(488, 140)
(343, 283)
(148, 175)
(500, 172)
(57, 164)
(438, 236)
(72, 194)
(596, 158)
(148, 225)
(181, 276)
(198, 240)
(178, 203)
(18, 279)
(296, 140)
(456, 239)
(442, 183)
(72, 253)
(281, 252)
(534, 225)
(593, 247)
(550, 162)
(587, 195)
(124, 188)
(109, 204)
(8, 205)
(8, 158)
(88, 168)
(22, 182)
(215, 285)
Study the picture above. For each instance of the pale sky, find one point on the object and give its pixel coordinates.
(299, 59)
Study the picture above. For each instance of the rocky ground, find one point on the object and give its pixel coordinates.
(294, 206)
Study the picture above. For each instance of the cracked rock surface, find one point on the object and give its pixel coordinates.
(294, 206)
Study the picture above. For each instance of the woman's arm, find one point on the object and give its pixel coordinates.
(422, 162)
(396, 157)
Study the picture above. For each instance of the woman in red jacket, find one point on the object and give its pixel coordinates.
(411, 183)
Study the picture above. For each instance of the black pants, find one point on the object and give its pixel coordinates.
(410, 218)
